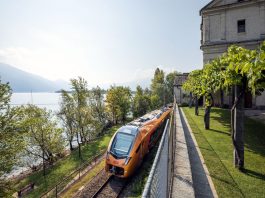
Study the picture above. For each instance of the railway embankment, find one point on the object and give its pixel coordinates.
(66, 170)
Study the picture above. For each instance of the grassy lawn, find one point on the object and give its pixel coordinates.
(217, 150)
(65, 166)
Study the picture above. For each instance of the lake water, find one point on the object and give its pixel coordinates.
(49, 101)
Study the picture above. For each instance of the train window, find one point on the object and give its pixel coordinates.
(122, 144)
(158, 115)
(156, 133)
(129, 130)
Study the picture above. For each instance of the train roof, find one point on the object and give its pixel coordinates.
(147, 117)
(129, 129)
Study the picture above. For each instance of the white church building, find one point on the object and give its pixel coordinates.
(227, 22)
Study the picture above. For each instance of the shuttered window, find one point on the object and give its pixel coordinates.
(241, 26)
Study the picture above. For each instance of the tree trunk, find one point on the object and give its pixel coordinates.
(113, 120)
(43, 163)
(71, 145)
(123, 118)
(79, 146)
(207, 112)
(49, 157)
(233, 96)
(71, 137)
(43, 154)
(222, 98)
(196, 106)
(237, 125)
(207, 117)
(83, 138)
(190, 102)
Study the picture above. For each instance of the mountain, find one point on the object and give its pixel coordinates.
(21, 81)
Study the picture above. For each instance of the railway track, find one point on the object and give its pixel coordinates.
(103, 185)
(111, 188)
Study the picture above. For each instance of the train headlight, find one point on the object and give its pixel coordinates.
(127, 160)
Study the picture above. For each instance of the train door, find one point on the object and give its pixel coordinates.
(139, 154)
(145, 141)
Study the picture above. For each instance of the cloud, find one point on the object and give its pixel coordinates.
(16, 56)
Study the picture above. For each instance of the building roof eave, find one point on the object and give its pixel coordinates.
(227, 6)
(206, 6)
(232, 42)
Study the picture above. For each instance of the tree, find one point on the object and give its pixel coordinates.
(245, 71)
(82, 112)
(111, 104)
(193, 85)
(211, 82)
(118, 101)
(242, 70)
(170, 78)
(10, 145)
(42, 136)
(158, 89)
(141, 102)
(67, 115)
(97, 110)
(80, 96)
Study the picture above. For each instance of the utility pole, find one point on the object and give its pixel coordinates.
(43, 161)
(164, 95)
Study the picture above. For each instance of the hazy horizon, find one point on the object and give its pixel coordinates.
(106, 42)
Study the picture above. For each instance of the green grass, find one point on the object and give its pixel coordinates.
(65, 166)
(217, 150)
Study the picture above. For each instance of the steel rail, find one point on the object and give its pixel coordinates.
(116, 190)
(102, 187)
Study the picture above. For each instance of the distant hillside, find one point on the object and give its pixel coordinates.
(22, 81)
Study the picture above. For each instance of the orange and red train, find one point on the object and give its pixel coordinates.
(132, 142)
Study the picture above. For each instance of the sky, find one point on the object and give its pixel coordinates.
(104, 41)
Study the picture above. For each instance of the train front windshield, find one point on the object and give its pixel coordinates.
(122, 144)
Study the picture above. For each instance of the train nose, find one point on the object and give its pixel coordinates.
(116, 170)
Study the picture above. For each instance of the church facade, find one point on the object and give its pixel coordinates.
(227, 22)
